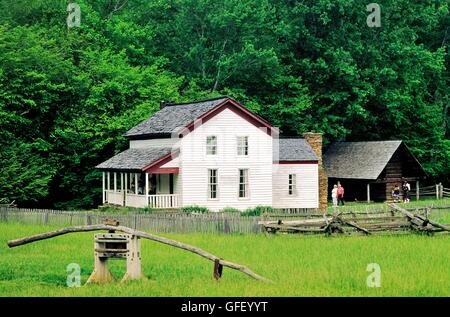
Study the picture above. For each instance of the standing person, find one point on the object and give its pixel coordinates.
(334, 195)
(406, 188)
(396, 193)
(340, 194)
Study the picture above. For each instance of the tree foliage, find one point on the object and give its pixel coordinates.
(68, 95)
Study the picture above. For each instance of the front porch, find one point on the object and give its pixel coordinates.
(140, 190)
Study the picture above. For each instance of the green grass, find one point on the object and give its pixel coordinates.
(411, 265)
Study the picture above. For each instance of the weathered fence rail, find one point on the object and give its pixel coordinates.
(395, 220)
(175, 222)
(437, 191)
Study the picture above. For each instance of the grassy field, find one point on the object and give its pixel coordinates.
(411, 265)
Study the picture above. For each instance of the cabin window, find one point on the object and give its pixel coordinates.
(212, 183)
(242, 145)
(292, 184)
(211, 145)
(243, 183)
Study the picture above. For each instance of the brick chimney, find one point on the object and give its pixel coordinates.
(315, 140)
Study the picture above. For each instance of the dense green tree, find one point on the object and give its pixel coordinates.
(67, 95)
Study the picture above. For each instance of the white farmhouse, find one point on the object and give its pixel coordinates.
(213, 153)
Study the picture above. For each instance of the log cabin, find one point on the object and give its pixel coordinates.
(369, 170)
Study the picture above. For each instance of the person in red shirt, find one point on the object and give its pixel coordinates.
(340, 194)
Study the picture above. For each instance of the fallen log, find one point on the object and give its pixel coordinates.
(290, 228)
(145, 235)
(306, 222)
(369, 226)
(375, 219)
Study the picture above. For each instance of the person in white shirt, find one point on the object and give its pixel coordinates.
(334, 195)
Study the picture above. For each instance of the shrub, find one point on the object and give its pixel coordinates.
(230, 209)
(196, 209)
(124, 210)
(257, 211)
(146, 210)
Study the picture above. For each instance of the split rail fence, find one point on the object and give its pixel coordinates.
(437, 191)
(182, 222)
(394, 220)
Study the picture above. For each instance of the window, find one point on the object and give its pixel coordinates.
(243, 183)
(211, 145)
(292, 184)
(212, 184)
(242, 145)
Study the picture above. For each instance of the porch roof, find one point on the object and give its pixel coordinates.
(135, 159)
(294, 149)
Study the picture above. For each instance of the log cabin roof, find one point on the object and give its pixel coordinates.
(135, 159)
(294, 149)
(361, 160)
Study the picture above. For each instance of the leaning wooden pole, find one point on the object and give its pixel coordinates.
(145, 235)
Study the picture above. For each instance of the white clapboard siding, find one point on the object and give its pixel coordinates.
(194, 164)
(307, 195)
(164, 142)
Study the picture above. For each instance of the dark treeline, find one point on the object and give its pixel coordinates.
(67, 95)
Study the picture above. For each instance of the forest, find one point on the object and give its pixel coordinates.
(68, 94)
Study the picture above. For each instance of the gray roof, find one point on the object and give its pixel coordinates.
(134, 159)
(295, 150)
(358, 160)
(174, 116)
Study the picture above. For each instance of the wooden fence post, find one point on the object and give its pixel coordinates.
(417, 190)
(4, 214)
(437, 191)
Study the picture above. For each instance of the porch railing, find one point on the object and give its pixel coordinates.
(164, 201)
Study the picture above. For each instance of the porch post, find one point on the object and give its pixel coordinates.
(136, 183)
(146, 188)
(122, 191)
(103, 188)
(417, 190)
(109, 181)
(126, 187)
(115, 181)
(368, 192)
